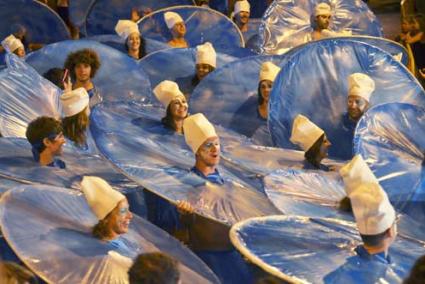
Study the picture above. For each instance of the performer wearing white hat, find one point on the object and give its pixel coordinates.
(206, 60)
(46, 138)
(375, 216)
(268, 73)
(76, 111)
(109, 206)
(134, 44)
(177, 28)
(240, 15)
(13, 45)
(312, 140)
(174, 101)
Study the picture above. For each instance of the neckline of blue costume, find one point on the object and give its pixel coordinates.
(364, 254)
(214, 177)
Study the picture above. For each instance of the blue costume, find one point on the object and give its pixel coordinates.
(345, 131)
(309, 166)
(57, 163)
(95, 97)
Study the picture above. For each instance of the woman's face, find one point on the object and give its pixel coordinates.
(323, 151)
(202, 70)
(120, 218)
(133, 41)
(179, 107)
(20, 52)
(265, 88)
(179, 29)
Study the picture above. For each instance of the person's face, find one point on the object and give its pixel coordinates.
(133, 41)
(324, 148)
(179, 29)
(82, 72)
(202, 70)
(179, 108)
(414, 25)
(120, 218)
(356, 106)
(265, 88)
(209, 152)
(323, 21)
(242, 18)
(405, 26)
(54, 146)
(20, 52)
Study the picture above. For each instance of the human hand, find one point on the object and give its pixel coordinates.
(184, 207)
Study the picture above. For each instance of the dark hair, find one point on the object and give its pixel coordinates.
(74, 127)
(345, 205)
(55, 75)
(87, 56)
(374, 240)
(142, 47)
(417, 274)
(311, 154)
(168, 120)
(154, 268)
(41, 128)
(195, 80)
(11, 272)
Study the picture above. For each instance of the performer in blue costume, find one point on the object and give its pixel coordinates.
(312, 140)
(257, 129)
(240, 16)
(177, 28)
(46, 137)
(376, 222)
(13, 45)
(134, 43)
(360, 88)
(83, 65)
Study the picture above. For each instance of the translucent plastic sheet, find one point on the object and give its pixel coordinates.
(316, 250)
(78, 11)
(118, 78)
(321, 92)
(202, 25)
(160, 161)
(24, 96)
(258, 7)
(228, 96)
(17, 163)
(6, 184)
(391, 138)
(42, 24)
(176, 64)
(104, 14)
(49, 228)
(287, 23)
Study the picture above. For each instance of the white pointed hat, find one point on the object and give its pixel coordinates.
(124, 28)
(100, 196)
(361, 85)
(166, 91)
(205, 54)
(74, 101)
(355, 173)
(322, 9)
(11, 43)
(304, 132)
(241, 6)
(172, 18)
(196, 130)
(268, 71)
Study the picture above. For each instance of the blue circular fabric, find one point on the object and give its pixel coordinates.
(50, 228)
(159, 160)
(41, 23)
(286, 24)
(258, 7)
(315, 250)
(391, 138)
(104, 14)
(78, 12)
(176, 64)
(202, 25)
(228, 96)
(118, 78)
(320, 93)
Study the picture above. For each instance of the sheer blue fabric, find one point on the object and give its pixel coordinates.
(391, 138)
(321, 93)
(118, 78)
(229, 95)
(319, 250)
(159, 160)
(176, 64)
(202, 25)
(78, 12)
(42, 24)
(104, 14)
(287, 24)
(59, 221)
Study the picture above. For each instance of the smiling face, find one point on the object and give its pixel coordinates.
(133, 42)
(119, 219)
(20, 52)
(356, 106)
(242, 18)
(179, 108)
(82, 72)
(179, 29)
(202, 70)
(209, 152)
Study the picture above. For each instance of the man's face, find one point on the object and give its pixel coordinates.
(179, 29)
(120, 218)
(82, 72)
(20, 52)
(242, 18)
(202, 70)
(323, 21)
(54, 146)
(356, 106)
(209, 152)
